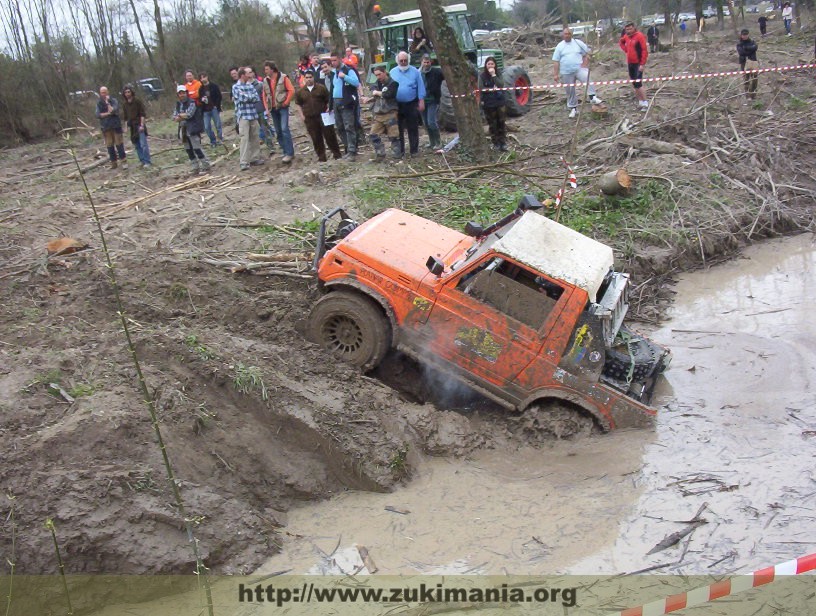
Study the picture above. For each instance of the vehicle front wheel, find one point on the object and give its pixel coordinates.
(553, 418)
(351, 327)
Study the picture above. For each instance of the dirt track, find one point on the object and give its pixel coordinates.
(245, 458)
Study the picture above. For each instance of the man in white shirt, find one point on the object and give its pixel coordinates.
(569, 57)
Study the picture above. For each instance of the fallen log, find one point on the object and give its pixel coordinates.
(660, 147)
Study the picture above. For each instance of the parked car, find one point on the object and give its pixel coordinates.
(151, 87)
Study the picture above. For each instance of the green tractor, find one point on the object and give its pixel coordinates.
(395, 32)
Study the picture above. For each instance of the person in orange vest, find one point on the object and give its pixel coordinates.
(350, 58)
(192, 85)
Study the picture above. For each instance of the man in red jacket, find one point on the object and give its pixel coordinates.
(634, 45)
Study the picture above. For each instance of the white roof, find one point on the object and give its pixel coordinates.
(416, 15)
(557, 251)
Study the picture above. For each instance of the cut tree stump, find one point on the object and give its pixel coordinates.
(615, 182)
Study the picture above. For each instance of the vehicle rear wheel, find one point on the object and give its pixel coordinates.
(550, 418)
(518, 100)
(351, 327)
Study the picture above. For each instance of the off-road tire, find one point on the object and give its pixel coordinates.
(351, 327)
(447, 116)
(517, 103)
(619, 361)
(553, 418)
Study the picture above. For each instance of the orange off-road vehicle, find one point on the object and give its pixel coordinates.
(526, 311)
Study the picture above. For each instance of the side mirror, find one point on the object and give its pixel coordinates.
(473, 229)
(435, 266)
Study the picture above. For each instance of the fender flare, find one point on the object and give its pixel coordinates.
(373, 294)
(604, 421)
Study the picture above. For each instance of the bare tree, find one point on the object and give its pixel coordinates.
(145, 44)
(157, 20)
(310, 13)
(458, 72)
(329, 9)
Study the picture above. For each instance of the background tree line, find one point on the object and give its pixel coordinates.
(54, 49)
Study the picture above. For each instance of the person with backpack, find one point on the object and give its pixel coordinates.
(345, 85)
(190, 119)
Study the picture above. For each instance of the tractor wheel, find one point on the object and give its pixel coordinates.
(619, 360)
(518, 101)
(351, 327)
(554, 418)
(447, 117)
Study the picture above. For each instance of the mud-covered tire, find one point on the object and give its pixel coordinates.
(646, 356)
(554, 418)
(351, 327)
(519, 102)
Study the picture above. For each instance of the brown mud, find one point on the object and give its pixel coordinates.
(736, 436)
(257, 420)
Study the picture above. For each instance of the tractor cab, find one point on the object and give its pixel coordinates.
(396, 32)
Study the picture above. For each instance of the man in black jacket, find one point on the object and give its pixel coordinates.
(746, 48)
(653, 36)
(210, 96)
(433, 95)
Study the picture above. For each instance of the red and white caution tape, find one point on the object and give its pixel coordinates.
(614, 82)
(724, 588)
(572, 180)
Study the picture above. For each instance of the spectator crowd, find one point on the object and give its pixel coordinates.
(330, 95)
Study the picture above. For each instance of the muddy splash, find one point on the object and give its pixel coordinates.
(735, 438)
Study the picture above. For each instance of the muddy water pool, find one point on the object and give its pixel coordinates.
(736, 436)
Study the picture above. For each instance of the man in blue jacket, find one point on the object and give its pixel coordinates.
(346, 99)
(410, 100)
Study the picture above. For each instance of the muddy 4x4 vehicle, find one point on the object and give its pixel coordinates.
(396, 31)
(526, 311)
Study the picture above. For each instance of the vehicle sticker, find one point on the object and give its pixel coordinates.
(478, 342)
(421, 303)
(583, 338)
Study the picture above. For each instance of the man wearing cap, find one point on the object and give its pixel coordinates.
(190, 118)
(313, 101)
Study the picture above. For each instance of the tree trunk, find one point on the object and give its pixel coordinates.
(168, 70)
(458, 72)
(330, 15)
(734, 23)
(146, 46)
(564, 13)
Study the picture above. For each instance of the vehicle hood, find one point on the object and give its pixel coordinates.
(397, 244)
